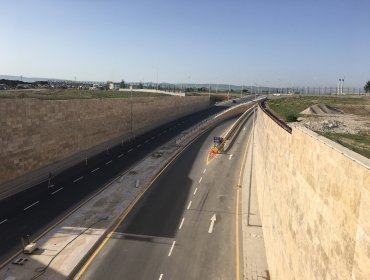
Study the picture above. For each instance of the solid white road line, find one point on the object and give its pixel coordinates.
(195, 191)
(173, 244)
(96, 169)
(189, 205)
(160, 277)
(33, 204)
(182, 221)
(200, 180)
(230, 156)
(121, 155)
(78, 179)
(3, 221)
(204, 171)
(108, 162)
(130, 150)
(57, 190)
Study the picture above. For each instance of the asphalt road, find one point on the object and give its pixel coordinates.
(33, 211)
(185, 226)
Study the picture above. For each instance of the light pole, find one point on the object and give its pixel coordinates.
(228, 94)
(131, 108)
(241, 92)
(338, 89)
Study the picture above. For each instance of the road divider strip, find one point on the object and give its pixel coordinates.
(217, 149)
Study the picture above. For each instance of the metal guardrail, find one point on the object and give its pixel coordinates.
(282, 124)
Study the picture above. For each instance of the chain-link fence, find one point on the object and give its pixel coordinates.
(313, 91)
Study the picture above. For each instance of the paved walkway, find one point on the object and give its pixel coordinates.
(255, 263)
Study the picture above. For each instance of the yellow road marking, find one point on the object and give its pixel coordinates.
(128, 210)
(237, 211)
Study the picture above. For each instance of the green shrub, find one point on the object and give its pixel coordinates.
(291, 118)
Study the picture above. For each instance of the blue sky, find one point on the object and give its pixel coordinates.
(266, 42)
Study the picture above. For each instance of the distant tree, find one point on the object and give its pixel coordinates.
(367, 87)
(122, 84)
(140, 85)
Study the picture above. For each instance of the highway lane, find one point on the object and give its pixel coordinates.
(33, 211)
(185, 225)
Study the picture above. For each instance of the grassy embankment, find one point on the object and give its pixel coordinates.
(288, 109)
(61, 94)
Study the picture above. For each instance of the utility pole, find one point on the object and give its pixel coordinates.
(157, 79)
(228, 94)
(241, 92)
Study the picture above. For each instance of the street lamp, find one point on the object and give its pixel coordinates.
(131, 108)
(228, 94)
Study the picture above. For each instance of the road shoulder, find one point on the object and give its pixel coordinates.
(254, 252)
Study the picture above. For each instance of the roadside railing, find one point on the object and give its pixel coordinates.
(282, 124)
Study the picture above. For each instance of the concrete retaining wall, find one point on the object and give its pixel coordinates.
(36, 133)
(314, 200)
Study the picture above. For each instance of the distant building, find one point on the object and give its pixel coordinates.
(116, 86)
(110, 85)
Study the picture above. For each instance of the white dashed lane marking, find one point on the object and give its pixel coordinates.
(121, 155)
(3, 221)
(96, 169)
(108, 162)
(33, 204)
(78, 179)
(195, 191)
(160, 277)
(182, 222)
(204, 171)
(57, 190)
(189, 205)
(173, 245)
(200, 180)
(230, 156)
(130, 150)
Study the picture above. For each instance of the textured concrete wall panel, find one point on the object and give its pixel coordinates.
(314, 202)
(35, 133)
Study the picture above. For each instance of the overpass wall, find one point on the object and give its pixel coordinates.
(314, 200)
(37, 133)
